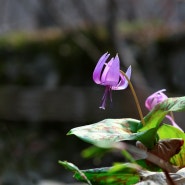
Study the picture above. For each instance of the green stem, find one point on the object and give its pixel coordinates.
(135, 98)
(128, 156)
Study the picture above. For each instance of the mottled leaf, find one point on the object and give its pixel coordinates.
(155, 116)
(108, 131)
(173, 104)
(119, 174)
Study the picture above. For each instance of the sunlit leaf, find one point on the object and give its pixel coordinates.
(173, 104)
(108, 131)
(154, 117)
(168, 131)
(118, 175)
(105, 133)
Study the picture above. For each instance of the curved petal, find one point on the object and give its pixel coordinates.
(110, 75)
(123, 84)
(98, 69)
(155, 98)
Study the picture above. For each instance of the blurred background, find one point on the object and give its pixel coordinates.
(48, 51)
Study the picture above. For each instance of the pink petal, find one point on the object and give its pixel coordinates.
(104, 98)
(173, 122)
(123, 84)
(98, 69)
(110, 75)
(155, 98)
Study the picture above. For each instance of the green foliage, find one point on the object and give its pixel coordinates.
(107, 175)
(109, 131)
(106, 133)
(112, 175)
(154, 118)
(76, 170)
(94, 152)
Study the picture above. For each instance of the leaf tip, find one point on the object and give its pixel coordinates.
(61, 162)
(69, 133)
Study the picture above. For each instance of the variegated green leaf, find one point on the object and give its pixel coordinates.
(173, 104)
(119, 174)
(108, 131)
(155, 117)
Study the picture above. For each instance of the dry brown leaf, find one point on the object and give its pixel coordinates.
(165, 149)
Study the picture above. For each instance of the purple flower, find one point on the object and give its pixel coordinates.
(107, 73)
(156, 98)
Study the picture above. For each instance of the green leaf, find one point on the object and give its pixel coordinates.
(118, 174)
(105, 133)
(168, 131)
(148, 137)
(153, 119)
(108, 131)
(155, 116)
(94, 152)
(173, 104)
(148, 166)
(76, 170)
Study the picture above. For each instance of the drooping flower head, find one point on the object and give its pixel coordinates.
(157, 98)
(107, 73)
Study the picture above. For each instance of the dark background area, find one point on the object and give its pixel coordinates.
(48, 51)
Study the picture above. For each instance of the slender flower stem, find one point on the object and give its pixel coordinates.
(135, 98)
(172, 115)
